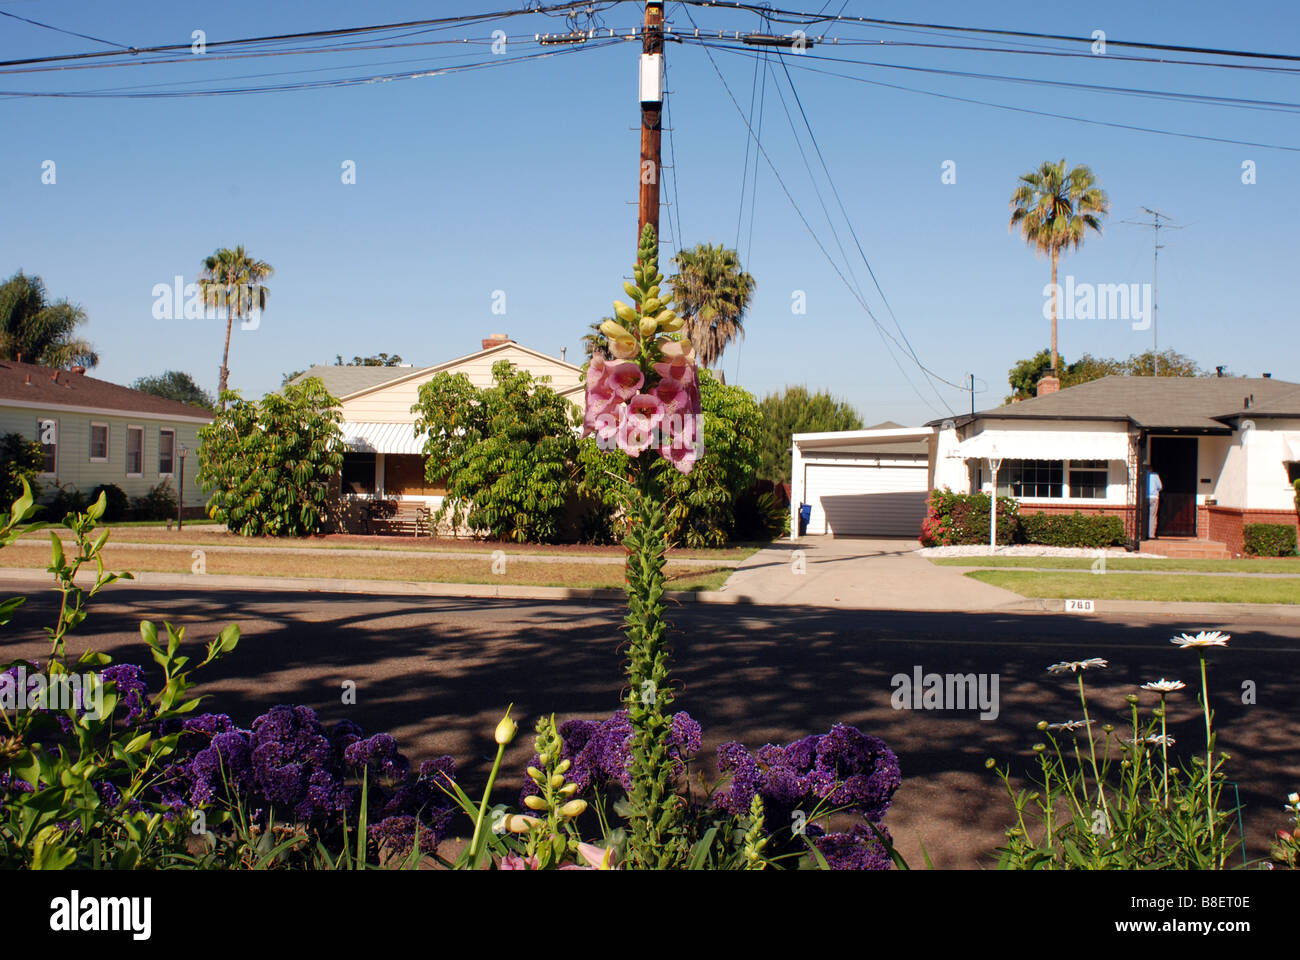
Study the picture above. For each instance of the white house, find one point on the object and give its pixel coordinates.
(1226, 449)
(385, 457)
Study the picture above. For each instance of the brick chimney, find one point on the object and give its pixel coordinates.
(1049, 384)
(495, 340)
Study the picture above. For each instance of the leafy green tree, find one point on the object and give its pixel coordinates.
(505, 452)
(176, 385)
(233, 280)
(40, 330)
(712, 292)
(20, 459)
(377, 360)
(1054, 208)
(792, 411)
(1171, 364)
(1024, 376)
(701, 505)
(273, 467)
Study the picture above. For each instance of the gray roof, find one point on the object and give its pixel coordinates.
(344, 381)
(1281, 405)
(1174, 403)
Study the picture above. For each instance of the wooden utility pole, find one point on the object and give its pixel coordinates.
(652, 103)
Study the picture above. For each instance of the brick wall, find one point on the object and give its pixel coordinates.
(1125, 513)
(1225, 523)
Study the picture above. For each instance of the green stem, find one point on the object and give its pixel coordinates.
(476, 843)
(1209, 751)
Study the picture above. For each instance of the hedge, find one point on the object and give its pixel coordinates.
(1269, 539)
(963, 519)
(1073, 530)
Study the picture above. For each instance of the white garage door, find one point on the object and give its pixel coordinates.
(885, 499)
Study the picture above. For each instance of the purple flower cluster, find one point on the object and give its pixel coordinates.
(132, 693)
(289, 764)
(844, 768)
(600, 750)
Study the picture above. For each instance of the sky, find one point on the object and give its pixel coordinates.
(512, 188)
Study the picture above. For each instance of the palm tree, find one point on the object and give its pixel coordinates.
(233, 279)
(712, 292)
(1054, 208)
(40, 331)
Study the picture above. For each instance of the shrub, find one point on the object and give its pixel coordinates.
(1072, 530)
(273, 467)
(504, 450)
(954, 519)
(66, 500)
(158, 504)
(1269, 539)
(118, 504)
(20, 459)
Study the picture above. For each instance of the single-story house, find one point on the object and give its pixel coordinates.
(94, 432)
(1226, 449)
(385, 457)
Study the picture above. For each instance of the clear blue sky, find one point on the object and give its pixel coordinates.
(521, 178)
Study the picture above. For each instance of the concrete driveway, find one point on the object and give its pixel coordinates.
(859, 573)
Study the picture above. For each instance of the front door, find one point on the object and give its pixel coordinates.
(1174, 459)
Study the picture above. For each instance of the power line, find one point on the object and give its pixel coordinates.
(1199, 98)
(307, 34)
(809, 18)
(70, 33)
(803, 219)
(494, 61)
(744, 51)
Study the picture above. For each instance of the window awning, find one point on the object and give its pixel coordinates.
(363, 437)
(1044, 445)
(1291, 446)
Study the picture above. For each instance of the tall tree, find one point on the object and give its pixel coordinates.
(1054, 208)
(40, 330)
(234, 280)
(377, 360)
(176, 385)
(792, 411)
(1024, 376)
(712, 291)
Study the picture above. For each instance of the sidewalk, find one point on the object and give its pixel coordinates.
(860, 574)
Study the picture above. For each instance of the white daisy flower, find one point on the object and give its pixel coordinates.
(1074, 665)
(1293, 798)
(1158, 740)
(1071, 725)
(1164, 686)
(1205, 638)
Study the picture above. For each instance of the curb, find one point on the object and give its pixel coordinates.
(1102, 609)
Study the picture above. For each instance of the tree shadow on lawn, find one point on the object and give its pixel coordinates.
(437, 674)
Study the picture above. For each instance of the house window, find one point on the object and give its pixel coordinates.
(1032, 479)
(99, 443)
(134, 451)
(1088, 479)
(166, 453)
(359, 473)
(47, 435)
(1293, 472)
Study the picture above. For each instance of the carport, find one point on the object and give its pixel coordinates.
(862, 483)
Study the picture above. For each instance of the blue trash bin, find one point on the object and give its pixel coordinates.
(805, 515)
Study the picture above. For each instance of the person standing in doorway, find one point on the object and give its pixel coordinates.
(1154, 486)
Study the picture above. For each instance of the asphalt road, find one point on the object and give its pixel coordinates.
(437, 673)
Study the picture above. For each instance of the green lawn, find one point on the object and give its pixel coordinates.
(1248, 565)
(1117, 586)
